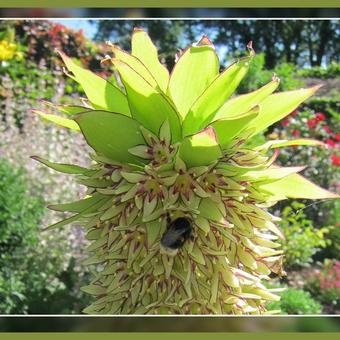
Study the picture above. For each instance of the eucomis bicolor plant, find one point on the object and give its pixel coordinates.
(176, 206)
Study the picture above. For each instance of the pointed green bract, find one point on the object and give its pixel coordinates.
(296, 186)
(272, 174)
(193, 72)
(101, 93)
(76, 217)
(61, 121)
(272, 144)
(135, 64)
(205, 107)
(72, 109)
(144, 49)
(68, 109)
(200, 149)
(110, 134)
(64, 168)
(210, 211)
(228, 128)
(246, 102)
(277, 106)
(77, 206)
(148, 106)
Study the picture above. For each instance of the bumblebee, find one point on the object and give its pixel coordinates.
(177, 233)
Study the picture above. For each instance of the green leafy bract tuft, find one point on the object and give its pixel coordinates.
(189, 79)
(110, 134)
(200, 149)
(101, 93)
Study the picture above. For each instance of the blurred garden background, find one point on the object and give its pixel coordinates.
(42, 272)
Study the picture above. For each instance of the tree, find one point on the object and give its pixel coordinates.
(302, 42)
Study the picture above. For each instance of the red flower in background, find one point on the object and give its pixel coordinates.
(337, 137)
(296, 133)
(319, 116)
(294, 113)
(285, 122)
(312, 123)
(56, 30)
(335, 160)
(330, 143)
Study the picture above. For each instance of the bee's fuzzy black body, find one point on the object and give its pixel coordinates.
(178, 231)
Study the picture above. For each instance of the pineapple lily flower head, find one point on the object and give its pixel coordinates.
(176, 203)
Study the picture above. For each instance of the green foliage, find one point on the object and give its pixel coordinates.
(32, 274)
(258, 76)
(19, 217)
(287, 74)
(297, 302)
(256, 140)
(19, 213)
(328, 105)
(333, 249)
(329, 72)
(40, 275)
(52, 289)
(302, 239)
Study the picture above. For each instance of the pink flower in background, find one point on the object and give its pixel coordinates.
(330, 276)
(327, 129)
(330, 143)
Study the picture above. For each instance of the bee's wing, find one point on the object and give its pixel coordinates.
(172, 235)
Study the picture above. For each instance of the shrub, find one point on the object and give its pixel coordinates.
(35, 274)
(19, 218)
(329, 105)
(53, 282)
(37, 73)
(257, 76)
(302, 240)
(41, 38)
(324, 285)
(19, 213)
(296, 301)
(333, 249)
(331, 71)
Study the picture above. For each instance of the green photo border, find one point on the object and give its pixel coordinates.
(131, 334)
(167, 336)
(170, 4)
